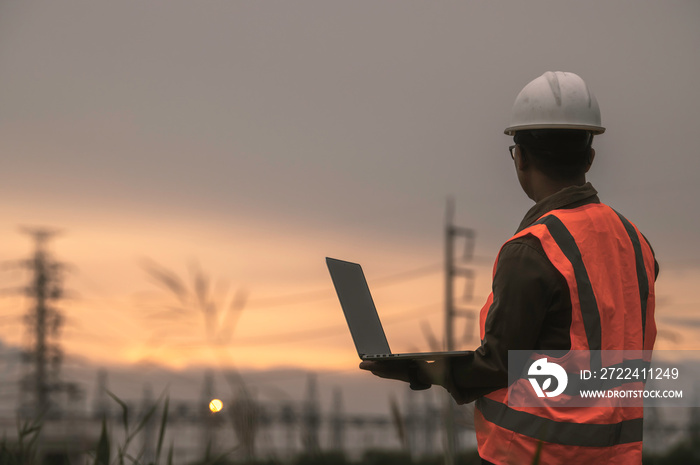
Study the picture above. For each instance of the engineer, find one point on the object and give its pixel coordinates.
(576, 275)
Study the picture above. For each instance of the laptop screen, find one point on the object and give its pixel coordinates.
(358, 307)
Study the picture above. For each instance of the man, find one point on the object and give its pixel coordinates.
(576, 276)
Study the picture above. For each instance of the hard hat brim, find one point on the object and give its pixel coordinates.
(595, 130)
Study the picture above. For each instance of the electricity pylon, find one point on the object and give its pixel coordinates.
(452, 271)
(43, 355)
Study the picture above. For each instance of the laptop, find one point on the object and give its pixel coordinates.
(362, 318)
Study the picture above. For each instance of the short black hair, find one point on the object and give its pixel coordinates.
(558, 153)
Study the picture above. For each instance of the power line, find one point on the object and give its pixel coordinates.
(334, 330)
(319, 333)
(325, 294)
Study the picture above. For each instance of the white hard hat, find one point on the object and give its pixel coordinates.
(555, 100)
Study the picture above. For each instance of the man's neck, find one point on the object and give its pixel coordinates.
(546, 187)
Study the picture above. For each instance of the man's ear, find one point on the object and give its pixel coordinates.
(591, 156)
(521, 160)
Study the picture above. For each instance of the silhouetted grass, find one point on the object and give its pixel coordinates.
(25, 450)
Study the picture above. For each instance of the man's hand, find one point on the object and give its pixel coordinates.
(396, 369)
(422, 375)
(410, 371)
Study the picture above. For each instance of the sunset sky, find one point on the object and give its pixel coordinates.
(251, 139)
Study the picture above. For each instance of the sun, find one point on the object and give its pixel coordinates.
(216, 405)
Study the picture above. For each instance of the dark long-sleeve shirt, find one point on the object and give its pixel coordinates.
(531, 306)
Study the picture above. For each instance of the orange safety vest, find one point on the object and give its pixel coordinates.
(610, 271)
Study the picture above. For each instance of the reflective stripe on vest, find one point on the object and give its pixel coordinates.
(559, 432)
(586, 297)
(642, 279)
(614, 430)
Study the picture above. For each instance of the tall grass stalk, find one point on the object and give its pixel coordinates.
(103, 449)
(25, 452)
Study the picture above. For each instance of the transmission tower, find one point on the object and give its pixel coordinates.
(452, 272)
(42, 357)
(310, 418)
(337, 424)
